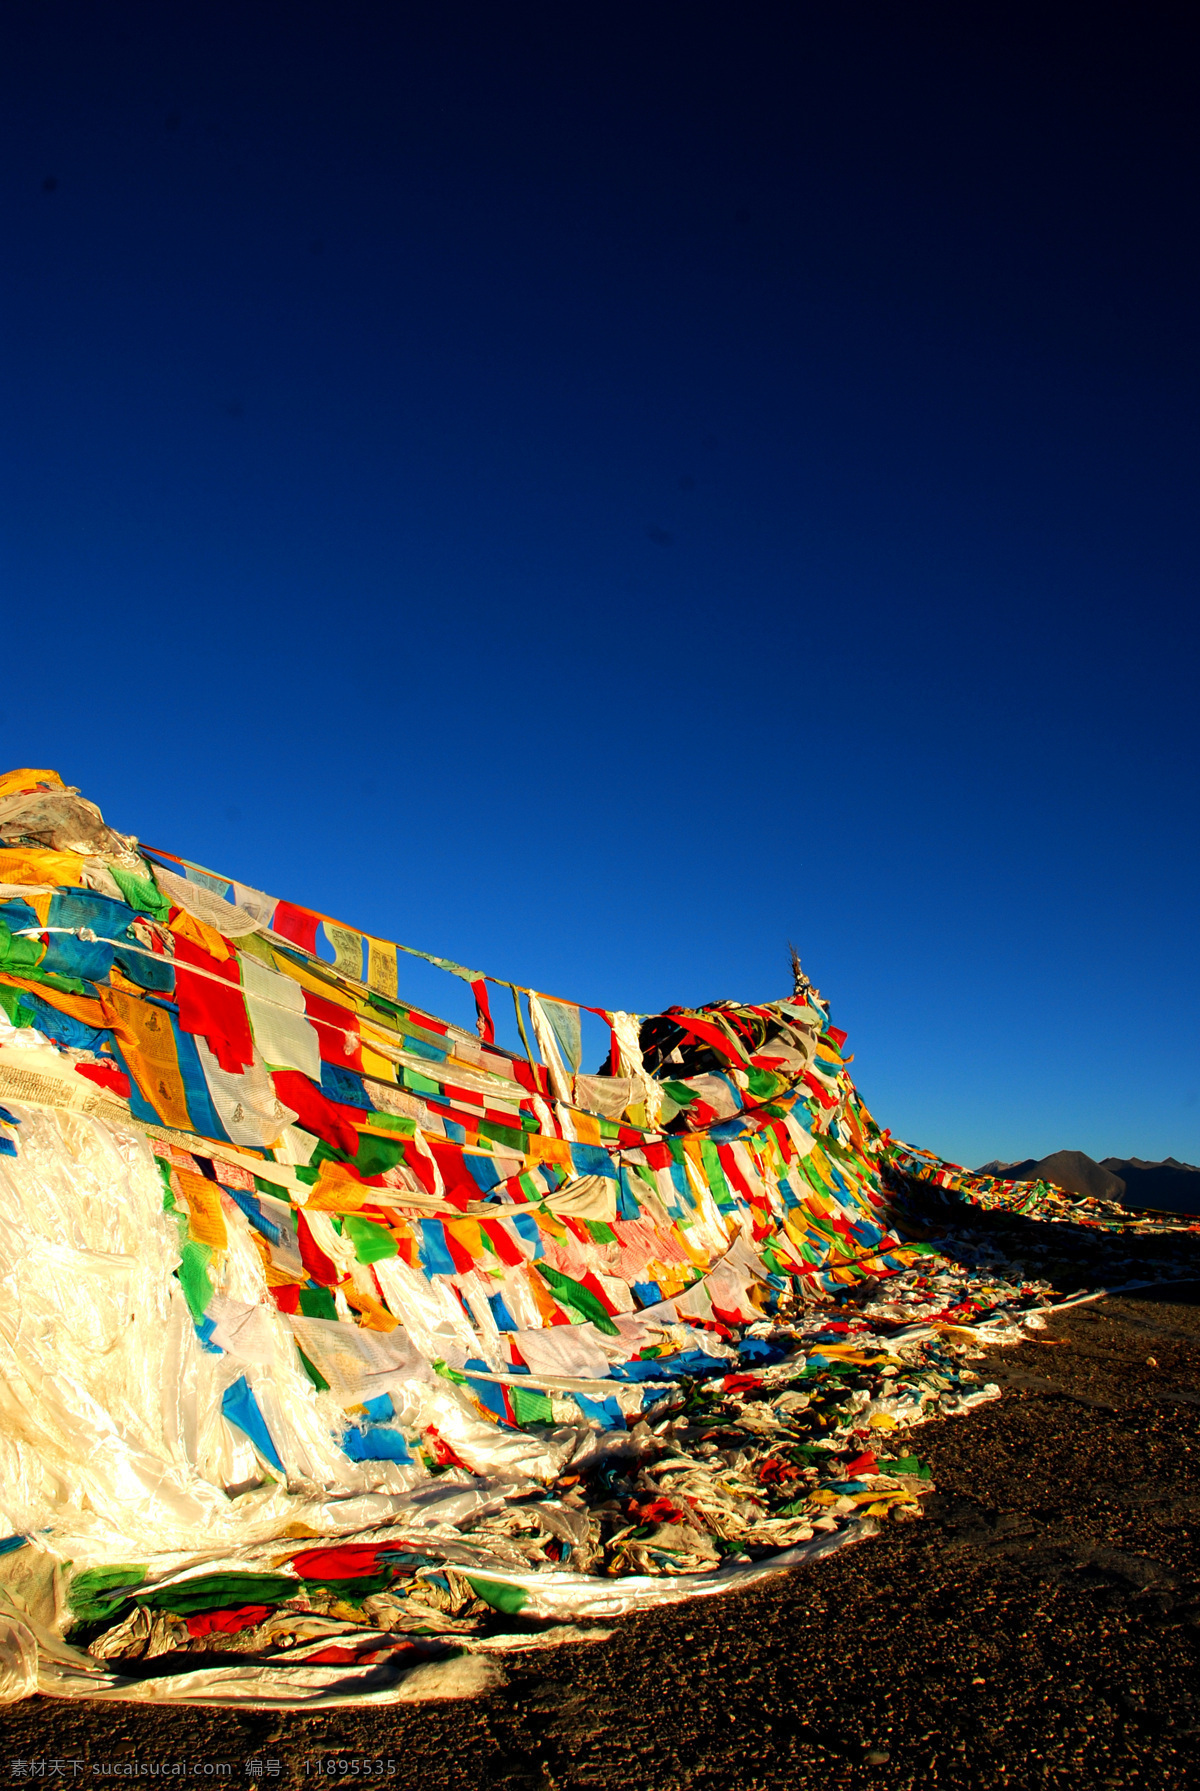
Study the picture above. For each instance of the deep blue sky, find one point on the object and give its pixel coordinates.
(601, 492)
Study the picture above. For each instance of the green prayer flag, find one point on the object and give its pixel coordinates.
(313, 1372)
(18, 1013)
(220, 1591)
(97, 1591)
(141, 893)
(372, 1242)
(572, 1294)
(509, 1599)
(194, 1277)
(531, 1407)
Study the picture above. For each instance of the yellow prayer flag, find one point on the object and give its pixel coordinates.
(276, 1277)
(38, 864)
(587, 1127)
(381, 1068)
(206, 1221)
(16, 783)
(347, 950)
(544, 1149)
(148, 1046)
(186, 926)
(373, 1315)
(337, 1190)
(382, 975)
(468, 1235)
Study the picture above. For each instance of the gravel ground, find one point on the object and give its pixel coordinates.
(1040, 1627)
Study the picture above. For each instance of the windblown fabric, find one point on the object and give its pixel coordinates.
(331, 1331)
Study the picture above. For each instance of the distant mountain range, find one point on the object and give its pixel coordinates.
(1167, 1186)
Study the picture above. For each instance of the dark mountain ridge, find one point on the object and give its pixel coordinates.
(1165, 1186)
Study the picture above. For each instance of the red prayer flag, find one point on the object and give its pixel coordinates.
(484, 1027)
(313, 1257)
(506, 1250)
(227, 1623)
(338, 1038)
(456, 1176)
(212, 1004)
(296, 924)
(314, 1110)
(711, 1035)
(107, 1076)
(353, 1562)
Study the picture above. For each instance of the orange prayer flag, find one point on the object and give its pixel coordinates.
(147, 1043)
(206, 1221)
(200, 933)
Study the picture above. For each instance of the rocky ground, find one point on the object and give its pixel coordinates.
(1040, 1627)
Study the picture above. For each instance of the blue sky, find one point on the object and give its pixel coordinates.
(600, 497)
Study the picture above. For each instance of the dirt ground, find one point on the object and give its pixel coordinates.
(1040, 1627)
